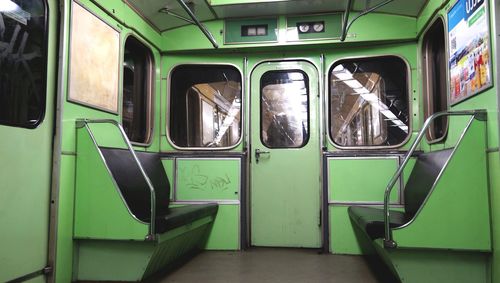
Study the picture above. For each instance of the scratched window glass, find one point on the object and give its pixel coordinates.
(284, 109)
(22, 62)
(205, 106)
(369, 102)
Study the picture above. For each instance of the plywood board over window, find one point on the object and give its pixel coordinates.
(94, 66)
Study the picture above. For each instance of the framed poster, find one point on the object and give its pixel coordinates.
(469, 49)
(94, 61)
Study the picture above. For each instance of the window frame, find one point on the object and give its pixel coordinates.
(44, 74)
(150, 89)
(169, 103)
(328, 92)
(428, 104)
(308, 88)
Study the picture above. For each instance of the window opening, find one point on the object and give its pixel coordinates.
(434, 79)
(137, 91)
(369, 102)
(284, 109)
(23, 62)
(205, 106)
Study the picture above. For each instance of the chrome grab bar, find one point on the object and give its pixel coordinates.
(80, 123)
(479, 114)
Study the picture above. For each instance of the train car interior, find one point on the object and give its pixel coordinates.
(249, 141)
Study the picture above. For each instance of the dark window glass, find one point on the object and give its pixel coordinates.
(434, 79)
(137, 89)
(369, 102)
(284, 108)
(205, 106)
(23, 62)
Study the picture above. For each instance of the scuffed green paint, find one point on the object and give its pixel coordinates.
(345, 184)
(64, 256)
(100, 260)
(207, 179)
(435, 266)
(26, 156)
(225, 232)
(454, 227)
(494, 177)
(344, 238)
(285, 187)
(100, 211)
(372, 27)
(169, 166)
(169, 63)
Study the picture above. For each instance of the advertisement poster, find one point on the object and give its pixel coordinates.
(469, 49)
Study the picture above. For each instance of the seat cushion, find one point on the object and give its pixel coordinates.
(371, 220)
(180, 216)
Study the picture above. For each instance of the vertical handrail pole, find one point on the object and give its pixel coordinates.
(151, 232)
(388, 241)
(345, 19)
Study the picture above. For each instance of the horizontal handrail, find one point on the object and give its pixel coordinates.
(479, 114)
(82, 122)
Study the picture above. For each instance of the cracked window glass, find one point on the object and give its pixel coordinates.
(284, 109)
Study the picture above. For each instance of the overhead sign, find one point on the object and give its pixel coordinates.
(469, 49)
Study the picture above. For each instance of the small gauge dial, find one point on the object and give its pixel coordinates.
(318, 27)
(303, 28)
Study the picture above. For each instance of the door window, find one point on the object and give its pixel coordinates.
(284, 109)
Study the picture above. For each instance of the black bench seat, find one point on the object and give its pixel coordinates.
(424, 175)
(371, 220)
(180, 216)
(136, 193)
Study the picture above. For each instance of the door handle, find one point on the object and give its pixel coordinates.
(258, 153)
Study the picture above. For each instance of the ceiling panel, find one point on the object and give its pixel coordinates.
(149, 9)
(266, 8)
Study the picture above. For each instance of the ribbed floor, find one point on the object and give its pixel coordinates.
(263, 265)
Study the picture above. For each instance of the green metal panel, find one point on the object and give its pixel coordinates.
(285, 187)
(344, 239)
(456, 213)
(169, 166)
(207, 179)
(407, 51)
(26, 164)
(332, 26)
(435, 266)
(361, 179)
(64, 256)
(374, 27)
(127, 21)
(225, 232)
(100, 211)
(233, 30)
(494, 175)
(171, 62)
(136, 260)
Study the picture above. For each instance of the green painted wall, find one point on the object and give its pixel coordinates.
(486, 100)
(118, 14)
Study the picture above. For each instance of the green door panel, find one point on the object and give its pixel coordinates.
(25, 174)
(285, 186)
(169, 166)
(207, 179)
(362, 179)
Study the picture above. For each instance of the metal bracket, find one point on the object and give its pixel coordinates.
(346, 26)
